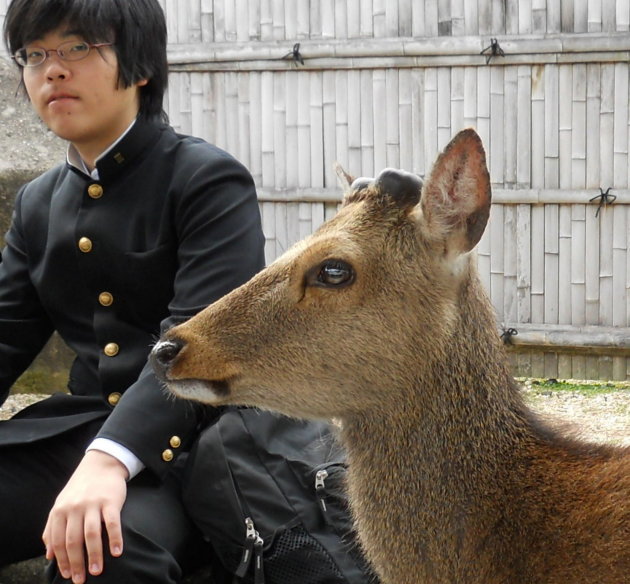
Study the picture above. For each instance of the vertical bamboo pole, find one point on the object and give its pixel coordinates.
(594, 16)
(524, 263)
(577, 278)
(316, 130)
(418, 19)
(354, 18)
(380, 97)
(418, 125)
(566, 283)
(565, 130)
(457, 99)
(304, 129)
(355, 105)
(367, 122)
(392, 117)
(552, 130)
(525, 25)
(330, 137)
(537, 153)
(279, 137)
(551, 264)
(342, 143)
(275, 22)
(444, 128)
(430, 128)
(524, 127)
(244, 127)
(510, 254)
(620, 173)
(539, 16)
(267, 131)
(508, 127)
(497, 260)
(497, 119)
(405, 120)
(292, 139)
(622, 17)
(255, 112)
(593, 106)
(554, 16)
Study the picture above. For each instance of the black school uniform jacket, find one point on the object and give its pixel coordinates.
(171, 225)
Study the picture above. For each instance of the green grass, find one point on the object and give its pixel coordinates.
(41, 381)
(587, 388)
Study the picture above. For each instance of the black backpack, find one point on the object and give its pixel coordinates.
(267, 492)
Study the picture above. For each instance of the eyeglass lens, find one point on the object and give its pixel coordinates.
(69, 51)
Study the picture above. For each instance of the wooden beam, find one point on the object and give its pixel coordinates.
(594, 340)
(400, 52)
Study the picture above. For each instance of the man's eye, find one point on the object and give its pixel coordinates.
(34, 54)
(78, 48)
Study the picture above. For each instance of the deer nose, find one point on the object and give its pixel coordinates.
(163, 355)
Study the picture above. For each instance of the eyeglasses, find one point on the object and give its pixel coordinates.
(69, 51)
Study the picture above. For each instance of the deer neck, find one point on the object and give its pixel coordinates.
(424, 469)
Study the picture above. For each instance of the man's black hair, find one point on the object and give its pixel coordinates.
(136, 27)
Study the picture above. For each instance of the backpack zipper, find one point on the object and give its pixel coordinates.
(251, 539)
(259, 574)
(320, 490)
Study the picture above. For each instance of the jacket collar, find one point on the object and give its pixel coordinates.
(132, 145)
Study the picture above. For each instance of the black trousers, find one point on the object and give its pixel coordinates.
(160, 541)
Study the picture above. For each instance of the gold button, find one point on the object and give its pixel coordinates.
(85, 245)
(167, 455)
(175, 441)
(111, 349)
(95, 191)
(113, 398)
(105, 298)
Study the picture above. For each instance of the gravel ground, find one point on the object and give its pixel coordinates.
(603, 417)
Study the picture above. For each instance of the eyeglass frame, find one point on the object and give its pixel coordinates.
(47, 52)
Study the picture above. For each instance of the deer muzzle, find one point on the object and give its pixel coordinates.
(164, 356)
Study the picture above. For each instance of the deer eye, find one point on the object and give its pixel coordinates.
(331, 274)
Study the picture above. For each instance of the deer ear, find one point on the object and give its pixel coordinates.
(456, 197)
(344, 179)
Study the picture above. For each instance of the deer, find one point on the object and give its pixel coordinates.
(379, 321)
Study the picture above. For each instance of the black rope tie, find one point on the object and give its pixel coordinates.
(494, 50)
(295, 54)
(605, 198)
(507, 334)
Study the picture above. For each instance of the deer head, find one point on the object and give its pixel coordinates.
(346, 319)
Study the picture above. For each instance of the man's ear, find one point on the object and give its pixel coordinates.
(456, 197)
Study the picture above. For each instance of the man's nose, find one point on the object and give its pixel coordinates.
(55, 66)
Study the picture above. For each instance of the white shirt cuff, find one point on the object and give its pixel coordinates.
(118, 451)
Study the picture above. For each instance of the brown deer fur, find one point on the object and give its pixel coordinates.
(379, 319)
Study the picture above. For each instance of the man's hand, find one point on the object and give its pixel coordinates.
(93, 497)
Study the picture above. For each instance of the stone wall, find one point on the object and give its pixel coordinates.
(27, 148)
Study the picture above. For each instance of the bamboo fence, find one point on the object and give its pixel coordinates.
(290, 86)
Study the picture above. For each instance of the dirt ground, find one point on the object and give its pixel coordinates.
(603, 417)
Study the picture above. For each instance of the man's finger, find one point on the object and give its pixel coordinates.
(111, 519)
(93, 542)
(75, 548)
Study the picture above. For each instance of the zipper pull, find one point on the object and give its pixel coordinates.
(250, 539)
(320, 489)
(259, 574)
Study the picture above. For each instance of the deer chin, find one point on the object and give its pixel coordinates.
(202, 390)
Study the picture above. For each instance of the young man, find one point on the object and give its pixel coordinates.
(138, 230)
